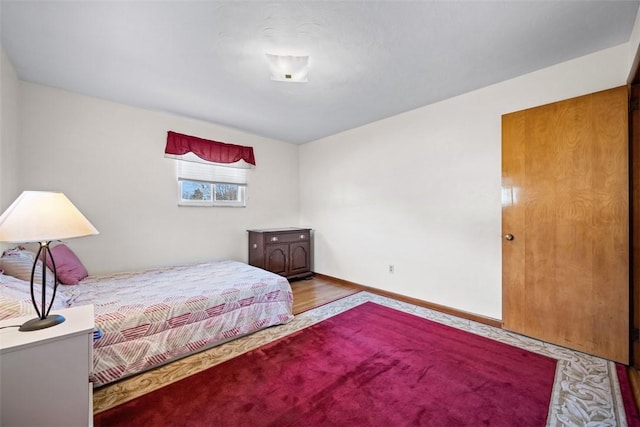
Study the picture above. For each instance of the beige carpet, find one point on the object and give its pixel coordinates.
(586, 389)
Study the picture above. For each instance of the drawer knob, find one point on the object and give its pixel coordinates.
(302, 236)
(274, 239)
(255, 246)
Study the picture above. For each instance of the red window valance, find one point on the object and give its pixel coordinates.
(208, 150)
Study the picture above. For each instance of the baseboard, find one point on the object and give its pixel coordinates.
(437, 307)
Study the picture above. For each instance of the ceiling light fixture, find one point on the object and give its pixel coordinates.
(289, 68)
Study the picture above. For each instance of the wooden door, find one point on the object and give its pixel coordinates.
(565, 202)
(299, 258)
(634, 148)
(277, 257)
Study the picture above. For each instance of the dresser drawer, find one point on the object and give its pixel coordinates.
(275, 238)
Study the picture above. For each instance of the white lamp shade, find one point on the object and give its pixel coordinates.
(42, 216)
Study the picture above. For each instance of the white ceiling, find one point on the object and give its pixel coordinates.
(368, 59)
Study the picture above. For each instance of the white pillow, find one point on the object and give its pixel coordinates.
(18, 262)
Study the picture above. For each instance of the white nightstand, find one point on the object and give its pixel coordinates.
(45, 374)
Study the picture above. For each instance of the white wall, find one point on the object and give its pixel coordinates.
(9, 101)
(632, 46)
(109, 160)
(421, 190)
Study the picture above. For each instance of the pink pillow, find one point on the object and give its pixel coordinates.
(69, 268)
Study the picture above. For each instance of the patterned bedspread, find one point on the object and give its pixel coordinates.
(152, 317)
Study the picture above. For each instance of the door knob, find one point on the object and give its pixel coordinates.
(508, 236)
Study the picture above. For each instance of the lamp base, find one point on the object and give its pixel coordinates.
(37, 323)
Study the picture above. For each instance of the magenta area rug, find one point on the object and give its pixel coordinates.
(368, 366)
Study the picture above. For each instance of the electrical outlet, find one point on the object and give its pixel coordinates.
(391, 268)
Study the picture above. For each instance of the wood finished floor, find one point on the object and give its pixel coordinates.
(314, 292)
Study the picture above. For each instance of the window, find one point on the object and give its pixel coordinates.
(211, 185)
(196, 193)
(210, 173)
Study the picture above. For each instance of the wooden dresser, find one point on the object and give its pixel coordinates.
(284, 251)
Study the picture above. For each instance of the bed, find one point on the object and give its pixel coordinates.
(152, 317)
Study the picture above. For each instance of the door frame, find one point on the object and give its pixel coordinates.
(634, 205)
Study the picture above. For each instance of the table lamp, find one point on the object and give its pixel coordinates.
(43, 216)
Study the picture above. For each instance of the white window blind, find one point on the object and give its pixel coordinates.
(210, 172)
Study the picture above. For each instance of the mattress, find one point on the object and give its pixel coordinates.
(152, 317)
